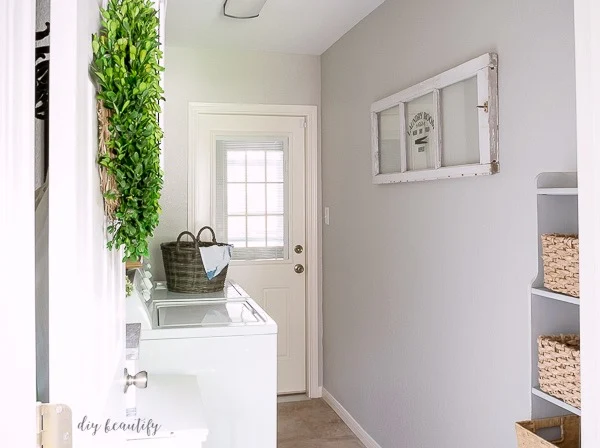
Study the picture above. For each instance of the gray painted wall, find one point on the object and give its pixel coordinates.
(426, 307)
(217, 76)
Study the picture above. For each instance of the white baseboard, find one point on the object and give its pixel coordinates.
(363, 436)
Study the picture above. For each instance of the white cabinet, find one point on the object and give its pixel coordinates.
(172, 410)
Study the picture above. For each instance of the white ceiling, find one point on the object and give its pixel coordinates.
(284, 26)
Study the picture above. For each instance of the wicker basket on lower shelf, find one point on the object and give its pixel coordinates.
(527, 432)
(560, 367)
(561, 263)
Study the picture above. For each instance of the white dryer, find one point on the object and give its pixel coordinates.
(229, 344)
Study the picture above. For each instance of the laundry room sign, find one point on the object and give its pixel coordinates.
(421, 136)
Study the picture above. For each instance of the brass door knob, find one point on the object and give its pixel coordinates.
(298, 249)
(299, 269)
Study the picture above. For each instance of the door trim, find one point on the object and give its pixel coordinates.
(313, 207)
(587, 55)
(17, 219)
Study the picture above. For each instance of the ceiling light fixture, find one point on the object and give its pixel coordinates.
(243, 9)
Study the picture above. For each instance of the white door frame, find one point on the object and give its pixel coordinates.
(587, 49)
(17, 221)
(313, 229)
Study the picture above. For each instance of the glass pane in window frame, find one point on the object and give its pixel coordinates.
(267, 252)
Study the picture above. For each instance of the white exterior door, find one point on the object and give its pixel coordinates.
(248, 183)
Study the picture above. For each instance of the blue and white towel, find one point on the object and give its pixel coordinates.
(215, 259)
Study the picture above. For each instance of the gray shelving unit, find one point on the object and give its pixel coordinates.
(551, 312)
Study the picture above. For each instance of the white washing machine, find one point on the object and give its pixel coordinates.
(228, 343)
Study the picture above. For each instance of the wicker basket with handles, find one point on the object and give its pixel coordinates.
(184, 268)
(561, 263)
(560, 367)
(569, 425)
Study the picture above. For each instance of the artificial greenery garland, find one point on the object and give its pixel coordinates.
(127, 71)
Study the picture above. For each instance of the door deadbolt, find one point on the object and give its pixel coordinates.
(299, 269)
(298, 249)
(140, 380)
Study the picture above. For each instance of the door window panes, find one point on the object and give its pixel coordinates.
(236, 166)
(251, 196)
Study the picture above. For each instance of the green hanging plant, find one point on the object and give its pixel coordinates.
(126, 66)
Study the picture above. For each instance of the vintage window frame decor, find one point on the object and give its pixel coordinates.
(485, 69)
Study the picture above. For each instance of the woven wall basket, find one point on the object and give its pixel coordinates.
(527, 432)
(561, 263)
(108, 183)
(560, 367)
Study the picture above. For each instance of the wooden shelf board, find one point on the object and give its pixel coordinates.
(543, 292)
(543, 395)
(558, 191)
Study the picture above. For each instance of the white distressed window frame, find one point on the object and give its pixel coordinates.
(485, 68)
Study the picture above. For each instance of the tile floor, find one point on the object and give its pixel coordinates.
(312, 424)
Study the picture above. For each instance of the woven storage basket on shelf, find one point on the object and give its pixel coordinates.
(527, 432)
(184, 268)
(561, 263)
(559, 367)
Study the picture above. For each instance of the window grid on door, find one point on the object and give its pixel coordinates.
(251, 197)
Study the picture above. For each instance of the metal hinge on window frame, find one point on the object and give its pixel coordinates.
(485, 107)
(54, 426)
